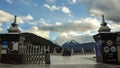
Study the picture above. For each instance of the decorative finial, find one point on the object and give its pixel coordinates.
(14, 24)
(15, 19)
(103, 20)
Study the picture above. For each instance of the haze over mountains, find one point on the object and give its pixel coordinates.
(77, 47)
(80, 39)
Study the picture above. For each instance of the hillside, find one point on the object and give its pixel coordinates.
(39, 41)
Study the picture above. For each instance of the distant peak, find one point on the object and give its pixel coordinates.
(72, 41)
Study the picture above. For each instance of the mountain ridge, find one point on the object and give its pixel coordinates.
(77, 47)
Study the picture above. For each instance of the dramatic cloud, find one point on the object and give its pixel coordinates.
(74, 30)
(81, 39)
(37, 31)
(84, 25)
(110, 8)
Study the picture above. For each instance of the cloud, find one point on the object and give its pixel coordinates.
(9, 1)
(73, 1)
(66, 10)
(63, 9)
(110, 8)
(84, 25)
(74, 30)
(1, 29)
(95, 12)
(51, 0)
(39, 32)
(6, 17)
(114, 27)
(52, 8)
(33, 23)
(22, 19)
(81, 39)
(28, 17)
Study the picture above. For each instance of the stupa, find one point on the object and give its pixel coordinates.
(104, 27)
(14, 27)
(107, 45)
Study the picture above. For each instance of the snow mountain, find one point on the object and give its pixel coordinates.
(77, 47)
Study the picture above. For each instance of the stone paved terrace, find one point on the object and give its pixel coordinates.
(58, 61)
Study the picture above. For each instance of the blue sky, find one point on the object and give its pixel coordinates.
(57, 20)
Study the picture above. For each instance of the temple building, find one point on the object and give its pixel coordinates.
(107, 44)
(16, 44)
